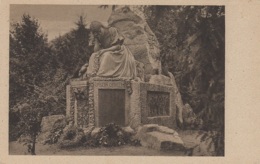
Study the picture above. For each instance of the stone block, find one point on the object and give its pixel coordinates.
(128, 130)
(159, 137)
(168, 118)
(24, 138)
(50, 122)
(162, 141)
(94, 132)
(134, 113)
(49, 125)
(88, 130)
(167, 130)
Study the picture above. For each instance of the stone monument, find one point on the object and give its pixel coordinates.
(97, 101)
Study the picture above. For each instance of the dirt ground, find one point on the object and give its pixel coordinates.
(16, 148)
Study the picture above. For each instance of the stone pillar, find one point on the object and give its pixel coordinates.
(68, 97)
(75, 113)
(134, 114)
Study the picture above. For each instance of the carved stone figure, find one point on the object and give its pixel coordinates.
(83, 71)
(111, 59)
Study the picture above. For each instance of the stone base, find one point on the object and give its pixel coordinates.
(99, 102)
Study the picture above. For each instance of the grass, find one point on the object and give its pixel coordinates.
(16, 148)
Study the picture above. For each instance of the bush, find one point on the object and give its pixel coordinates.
(111, 135)
(71, 137)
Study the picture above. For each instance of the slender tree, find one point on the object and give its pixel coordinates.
(29, 68)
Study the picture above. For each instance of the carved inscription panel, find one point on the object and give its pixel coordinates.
(111, 104)
(158, 103)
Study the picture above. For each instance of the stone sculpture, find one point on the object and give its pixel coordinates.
(136, 80)
(139, 38)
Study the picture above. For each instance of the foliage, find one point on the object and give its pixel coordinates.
(40, 71)
(71, 137)
(192, 46)
(55, 132)
(192, 40)
(29, 58)
(71, 50)
(111, 135)
(215, 139)
(30, 123)
(29, 65)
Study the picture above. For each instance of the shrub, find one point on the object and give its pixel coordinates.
(71, 137)
(111, 135)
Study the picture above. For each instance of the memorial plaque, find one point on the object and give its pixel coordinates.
(111, 104)
(158, 103)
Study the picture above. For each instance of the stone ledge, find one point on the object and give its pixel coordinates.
(74, 83)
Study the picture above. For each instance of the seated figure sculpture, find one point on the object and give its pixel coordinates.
(111, 58)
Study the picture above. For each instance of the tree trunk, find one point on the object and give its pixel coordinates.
(33, 145)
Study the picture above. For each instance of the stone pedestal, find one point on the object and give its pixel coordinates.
(99, 102)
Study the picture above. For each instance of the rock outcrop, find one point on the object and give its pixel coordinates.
(138, 38)
(49, 125)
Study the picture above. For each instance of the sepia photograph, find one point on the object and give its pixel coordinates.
(117, 80)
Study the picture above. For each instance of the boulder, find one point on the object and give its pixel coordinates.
(88, 130)
(24, 139)
(159, 137)
(138, 37)
(128, 130)
(166, 130)
(49, 125)
(94, 132)
(160, 80)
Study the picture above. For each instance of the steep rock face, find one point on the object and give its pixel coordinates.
(138, 38)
